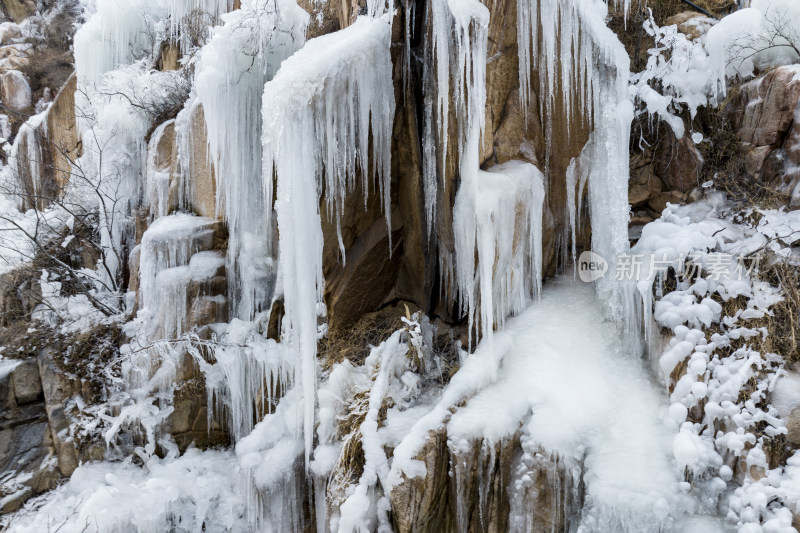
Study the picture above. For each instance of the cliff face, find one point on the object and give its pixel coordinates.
(293, 263)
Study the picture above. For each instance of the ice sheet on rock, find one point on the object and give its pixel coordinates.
(319, 114)
(157, 177)
(498, 214)
(165, 269)
(243, 54)
(245, 375)
(26, 163)
(271, 458)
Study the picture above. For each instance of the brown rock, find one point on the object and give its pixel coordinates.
(19, 10)
(793, 425)
(57, 389)
(659, 203)
(420, 504)
(59, 145)
(207, 310)
(678, 163)
(203, 181)
(765, 107)
(169, 57)
(163, 178)
(754, 159)
(691, 23)
(792, 144)
(643, 184)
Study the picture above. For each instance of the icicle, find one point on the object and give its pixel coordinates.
(232, 69)
(157, 174)
(246, 378)
(26, 162)
(318, 114)
(500, 216)
(459, 74)
(575, 39)
(577, 176)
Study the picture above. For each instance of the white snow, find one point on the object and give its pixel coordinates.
(198, 491)
(587, 399)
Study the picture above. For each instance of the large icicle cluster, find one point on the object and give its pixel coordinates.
(455, 72)
(118, 33)
(232, 69)
(319, 112)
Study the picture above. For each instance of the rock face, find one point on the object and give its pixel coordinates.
(472, 489)
(509, 135)
(48, 150)
(201, 172)
(764, 112)
(27, 453)
(18, 10)
(678, 163)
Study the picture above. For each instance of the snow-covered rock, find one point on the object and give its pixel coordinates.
(15, 92)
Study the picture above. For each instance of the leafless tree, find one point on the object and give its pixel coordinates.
(779, 32)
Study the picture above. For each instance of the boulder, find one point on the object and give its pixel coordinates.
(169, 57)
(765, 107)
(691, 23)
(15, 92)
(25, 457)
(643, 184)
(659, 203)
(677, 162)
(27, 385)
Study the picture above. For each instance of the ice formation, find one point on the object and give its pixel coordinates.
(319, 112)
(168, 263)
(241, 57)
(456, 65)
(291, 124)
(499, 214)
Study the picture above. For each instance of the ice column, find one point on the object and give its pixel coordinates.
(318, 113)
(456, 54)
